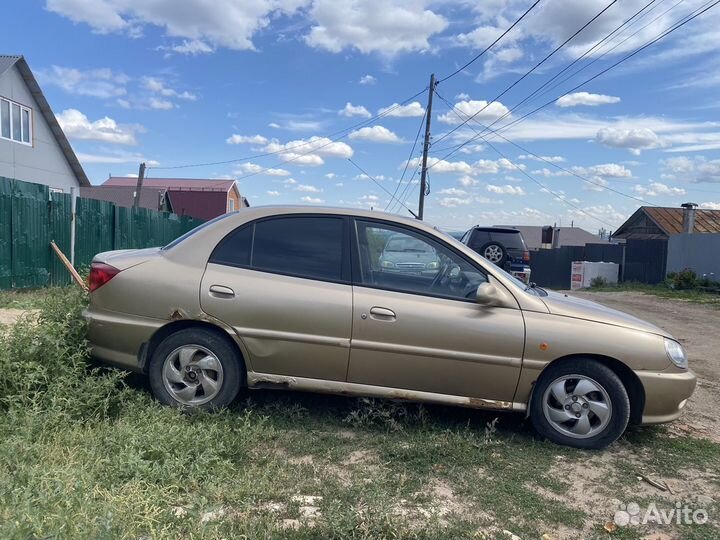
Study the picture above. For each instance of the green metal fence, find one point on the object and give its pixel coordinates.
(31, 216)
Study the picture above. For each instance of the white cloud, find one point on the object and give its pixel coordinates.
(225, 23)
(462, 96)
(507, 189)
(454, 202)
(452, 191)
(470, 107)
(160, 104)
(634, 140)
(330, 175)
(77, 126)
(414, 109)
(378, 134)
(389, 27)
(246, 139)
(710, 205)
(607, 170)
(290, 182)
(546, 159)
(100, 83)
(116, 158)
(481, 166)
(309, 151)
(367, 79)
(585, 98)
(273, 193)
(656, 188)
(192, 47)
(351, 110)
(254, 168)
(159, 87)
(364, 176)
(274, 125)
(697, 170)
(312, 200)
(467, 181)
(308, 188)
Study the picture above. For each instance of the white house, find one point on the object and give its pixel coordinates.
(33, 147)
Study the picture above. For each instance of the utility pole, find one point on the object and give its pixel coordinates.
(426, 148)
(138, 188)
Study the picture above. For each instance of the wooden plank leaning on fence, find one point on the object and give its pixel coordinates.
(76, 277)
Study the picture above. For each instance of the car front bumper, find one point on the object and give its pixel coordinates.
(666, 393)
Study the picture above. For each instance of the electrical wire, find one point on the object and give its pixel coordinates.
(334, 137)
(477, 57)
(541, 158)
(380, 185)
(407, 163)
(664, 34)
(531, 70)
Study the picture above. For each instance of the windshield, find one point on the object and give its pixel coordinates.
(407, 244)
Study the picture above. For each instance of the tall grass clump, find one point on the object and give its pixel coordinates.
(44, 363)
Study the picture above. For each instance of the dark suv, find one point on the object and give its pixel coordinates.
(501, 246)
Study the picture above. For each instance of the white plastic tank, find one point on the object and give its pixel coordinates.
(583, 272)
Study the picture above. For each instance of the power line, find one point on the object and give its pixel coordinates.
(380, 186)
(664, 34)
(531, 70)
(477, 57)
(334, 137)
(405, 195)
(407, 163)
(541, 158)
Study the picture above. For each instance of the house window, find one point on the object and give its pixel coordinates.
(15, 122)
(231, 205)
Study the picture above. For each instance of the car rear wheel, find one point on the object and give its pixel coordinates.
(580, 403)
(195, 368)
(495, 253)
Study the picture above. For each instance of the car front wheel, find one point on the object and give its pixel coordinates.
(195, 367)
(580, 403)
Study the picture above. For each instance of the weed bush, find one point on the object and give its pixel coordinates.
(43, 363)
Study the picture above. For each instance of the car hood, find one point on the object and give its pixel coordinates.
(579, 308)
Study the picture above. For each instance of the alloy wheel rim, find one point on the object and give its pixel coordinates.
(577, 406)
(192, 375)
(493, 254)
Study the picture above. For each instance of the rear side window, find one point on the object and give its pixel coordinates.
(479, 239)
(309, 247)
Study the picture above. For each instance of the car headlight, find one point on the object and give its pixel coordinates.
(434, 265)
(676, 353)
(387, 264)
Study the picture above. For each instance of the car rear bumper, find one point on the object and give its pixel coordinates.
(666, 393)
(116, 338)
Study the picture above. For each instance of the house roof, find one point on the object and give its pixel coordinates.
(186, 184)
(566, 236)
(205, 205)
(125, 195)
(660, 221)
(8, 61)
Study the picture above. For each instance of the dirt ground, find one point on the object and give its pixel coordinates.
(8, 316)
(697, 327)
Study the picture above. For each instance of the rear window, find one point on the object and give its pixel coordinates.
(188, 234)
(512, 240)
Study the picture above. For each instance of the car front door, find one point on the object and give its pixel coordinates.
(283, 284)
(420, 328)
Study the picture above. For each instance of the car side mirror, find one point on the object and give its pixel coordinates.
(488, 295)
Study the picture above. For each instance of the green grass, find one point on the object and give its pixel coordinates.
(23, 298)
(694, 296)
(87, 453)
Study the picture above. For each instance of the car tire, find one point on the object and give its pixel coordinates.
(196, 368)
(580, 403)
(495, 253)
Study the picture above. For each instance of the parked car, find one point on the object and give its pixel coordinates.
(501, 246)
(408, 255)
(294, 298)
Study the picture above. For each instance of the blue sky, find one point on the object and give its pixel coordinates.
(186, 82)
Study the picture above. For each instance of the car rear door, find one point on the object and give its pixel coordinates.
(283, 283)
(425, 332)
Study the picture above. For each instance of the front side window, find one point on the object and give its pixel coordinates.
(15, 122)
(402, 260)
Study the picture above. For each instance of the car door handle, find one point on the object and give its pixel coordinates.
(382, 314)
(222, 291)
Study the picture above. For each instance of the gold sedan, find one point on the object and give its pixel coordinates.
(370, 304)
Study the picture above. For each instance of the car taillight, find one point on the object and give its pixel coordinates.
(526, 256)
(100, 274)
